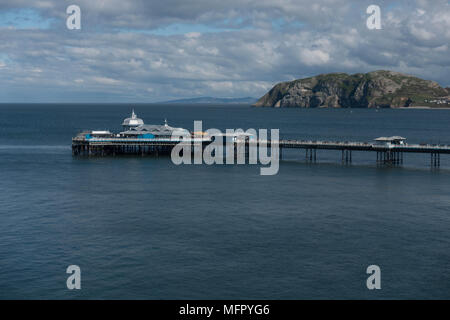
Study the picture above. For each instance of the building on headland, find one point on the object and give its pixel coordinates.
(445, 100)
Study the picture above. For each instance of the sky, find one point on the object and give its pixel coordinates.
(149, 51)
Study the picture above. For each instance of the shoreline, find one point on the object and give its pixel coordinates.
(423, 107)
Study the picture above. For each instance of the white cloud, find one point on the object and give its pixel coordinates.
(421, 33)
(193, 35)
(220, 85)
(105, 80)
(314, 57)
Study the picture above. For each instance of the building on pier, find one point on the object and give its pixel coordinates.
(390, 141)
(151, 131)
(135, 128)
(98, 133)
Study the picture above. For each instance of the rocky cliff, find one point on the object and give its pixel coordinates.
(384, 89)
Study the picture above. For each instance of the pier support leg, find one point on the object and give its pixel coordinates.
(435, 159)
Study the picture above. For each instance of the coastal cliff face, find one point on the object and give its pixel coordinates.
(383, 89)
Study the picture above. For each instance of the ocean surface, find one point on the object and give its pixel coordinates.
(144, 228)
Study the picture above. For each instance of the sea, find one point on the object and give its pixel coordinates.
(145, 228)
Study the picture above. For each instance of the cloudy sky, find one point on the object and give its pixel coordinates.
(152, 50)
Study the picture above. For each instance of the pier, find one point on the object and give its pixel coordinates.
(388, 153)
(141, 139)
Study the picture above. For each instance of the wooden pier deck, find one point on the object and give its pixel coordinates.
(387, 154)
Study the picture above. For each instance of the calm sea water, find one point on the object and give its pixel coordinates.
(147, 229)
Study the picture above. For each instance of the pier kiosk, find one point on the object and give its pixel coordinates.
(385, 152)
(390, 141)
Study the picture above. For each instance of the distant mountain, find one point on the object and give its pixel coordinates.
(212, 100)
(383, 89)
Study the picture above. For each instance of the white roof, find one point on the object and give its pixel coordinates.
(393, 138)
(156, 130)
(133, 121)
